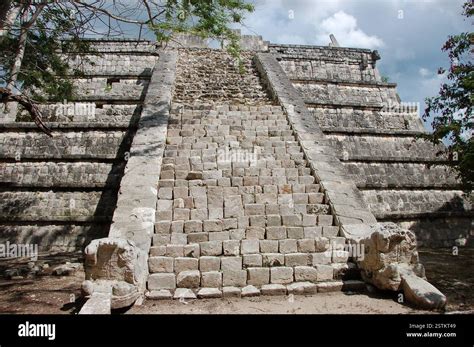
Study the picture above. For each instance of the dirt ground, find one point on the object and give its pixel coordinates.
(61, 295)
(324, 303)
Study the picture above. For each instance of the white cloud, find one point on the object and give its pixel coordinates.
(424, 72)
(344, 27)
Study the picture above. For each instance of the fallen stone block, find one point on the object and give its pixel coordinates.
(421, 293)
(98, 303)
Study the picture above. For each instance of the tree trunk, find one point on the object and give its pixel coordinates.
(8, 15)
(20, 53)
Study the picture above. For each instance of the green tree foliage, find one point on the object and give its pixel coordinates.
(452, 108)
(43, 67)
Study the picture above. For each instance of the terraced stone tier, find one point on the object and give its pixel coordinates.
(60, 174)
(383, 148)
(107, 89)
(399, 175)
(333, 119)
(323, 93)
(439, 231)
(51, 237)
(49, 206)
(122, 46)
(238, 205)
(86, 112)
(399, 203)
(74, 144)
(113, 64)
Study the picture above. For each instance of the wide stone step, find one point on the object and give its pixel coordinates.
(179, 245)
(170, 263)
(210, 277)
(295, 288)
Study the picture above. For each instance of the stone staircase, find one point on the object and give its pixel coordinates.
(238, 206)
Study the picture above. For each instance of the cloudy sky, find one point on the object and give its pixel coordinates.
(408, 34)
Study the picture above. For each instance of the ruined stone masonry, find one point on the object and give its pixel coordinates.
(193, 179)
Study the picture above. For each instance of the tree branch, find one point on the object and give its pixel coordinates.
(6, 96)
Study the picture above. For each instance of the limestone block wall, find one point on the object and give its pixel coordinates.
(93, 144)
(60, 192)
(112, 64)
(353, 95)
(100, 88)
(396, 174)
(98, 113)
(45, 174)
(361, 147)
(350, 119)
(335, 64)
(124, 47)
(401, 177)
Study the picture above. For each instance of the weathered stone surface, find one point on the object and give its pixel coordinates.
(67, 269)
(389, 252)
(231, 263)
(390, 257)
(234, 278)
(211, 279)
(161, 294)
(211, 248)
(273, 289)
(281, 275)
(161, 264)
(184, 293)
(258, 276)
(188, 279)
(301, 288)
(324, 272)
(117, 263)
(162, 281)
(185, 264)
(249, 291)
(325, 287)
(421, 293)
(306, 273)
(98, 303)
(231, 292)
(209, 293)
